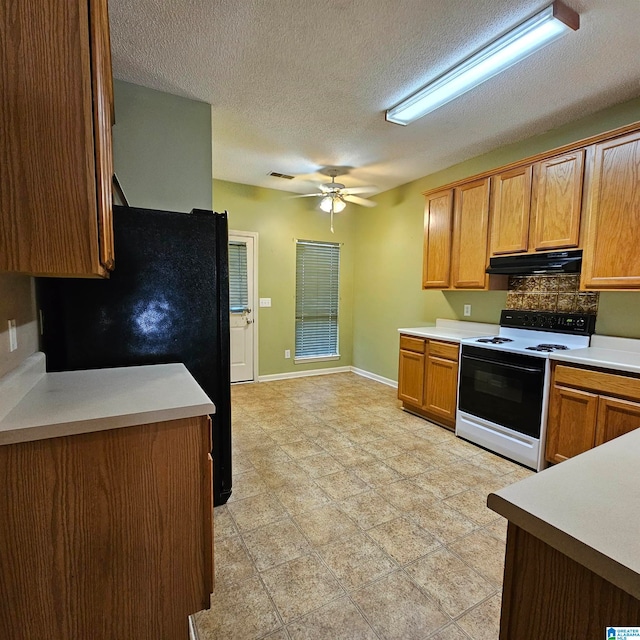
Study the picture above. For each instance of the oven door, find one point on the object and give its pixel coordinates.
(502, 387)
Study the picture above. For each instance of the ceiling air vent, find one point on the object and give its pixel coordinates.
(284, 176)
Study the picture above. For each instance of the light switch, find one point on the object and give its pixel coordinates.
(265, 302)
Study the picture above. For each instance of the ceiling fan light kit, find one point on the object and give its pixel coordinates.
(332, 202)
(546, 26)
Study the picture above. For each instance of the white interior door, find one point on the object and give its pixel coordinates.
(241, 305)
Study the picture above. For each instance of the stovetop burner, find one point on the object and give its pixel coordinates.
(547, 347)
(494, 340)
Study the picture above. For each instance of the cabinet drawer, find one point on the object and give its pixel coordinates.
(609, 383)
(409, 343)
(446, 350)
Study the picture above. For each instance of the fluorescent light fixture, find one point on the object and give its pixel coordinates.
(334, 202)
(533, 34)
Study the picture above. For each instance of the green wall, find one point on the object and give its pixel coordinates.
(162, 149)
(388, 257)
(279, 220)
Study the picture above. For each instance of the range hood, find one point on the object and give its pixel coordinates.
(533, 264)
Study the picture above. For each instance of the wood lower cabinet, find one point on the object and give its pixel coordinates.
(611, 259)
(547, 594)
(441, 389)
(55, 158)
(615, 418)
(589, 407)
(108, 534)
(572, 423)
(428, 379)
(411, 370)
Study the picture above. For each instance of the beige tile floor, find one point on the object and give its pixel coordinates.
(351, 519)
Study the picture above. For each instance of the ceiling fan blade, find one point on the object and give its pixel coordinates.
(306, 195)
(360, 201)
(364, 189)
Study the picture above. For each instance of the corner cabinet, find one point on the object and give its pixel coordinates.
(611, 259)
(56, 158)
(589, 407)
(428, 378)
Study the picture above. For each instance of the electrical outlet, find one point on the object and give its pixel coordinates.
(265, 302)
(467, 309)
(13, 335)
(287, 353)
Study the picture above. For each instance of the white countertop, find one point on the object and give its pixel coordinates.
(452, 330)
(622, 354)
(588, 508)
(73, 402)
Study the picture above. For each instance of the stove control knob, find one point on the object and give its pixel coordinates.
(580, 322)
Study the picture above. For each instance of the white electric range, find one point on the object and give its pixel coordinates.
(503, 390)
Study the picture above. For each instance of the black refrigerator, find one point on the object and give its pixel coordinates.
(167, 300)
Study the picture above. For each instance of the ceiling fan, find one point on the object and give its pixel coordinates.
(334, 195)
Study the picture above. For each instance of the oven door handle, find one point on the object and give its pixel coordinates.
(505, 364)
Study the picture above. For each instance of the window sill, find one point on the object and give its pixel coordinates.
(315, 359)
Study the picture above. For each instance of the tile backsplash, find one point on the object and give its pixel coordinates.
(551, 293)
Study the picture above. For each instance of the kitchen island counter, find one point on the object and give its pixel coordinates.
(74, 402)
(587, 507)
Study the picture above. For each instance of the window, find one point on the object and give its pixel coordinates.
(238, 290)
(317, 275)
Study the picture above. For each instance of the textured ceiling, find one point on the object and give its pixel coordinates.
(297, 85)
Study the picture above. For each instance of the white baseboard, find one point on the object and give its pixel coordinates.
(375, 376)
(303, 374)
(323, 372)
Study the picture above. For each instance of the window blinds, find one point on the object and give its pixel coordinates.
(317, 276)
(238, 289)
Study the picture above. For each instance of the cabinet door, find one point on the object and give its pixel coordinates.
(411, 377)
(49, 207)
(437, 240)
(572, 423)
(441, 388)
(470, 231)
(103, 119)
(611, 258)
(556, 202)
(615, 418)
(510, 204)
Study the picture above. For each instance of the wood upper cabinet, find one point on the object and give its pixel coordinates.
(572, 423)
(510, 204)
(411, 370)
(437, 240)
(470, 232)
(584, 411)
(55, 157)
(556, 202)
(441, 385)
(611, 258)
